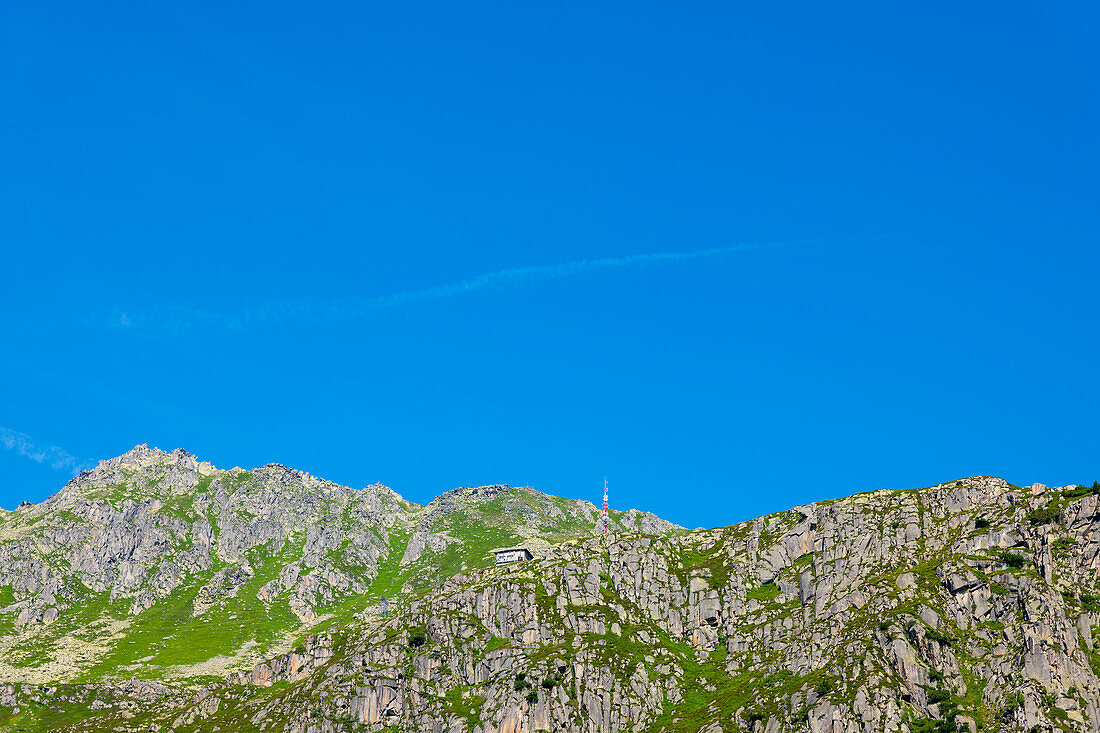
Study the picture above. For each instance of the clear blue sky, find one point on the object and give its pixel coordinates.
(260, 231)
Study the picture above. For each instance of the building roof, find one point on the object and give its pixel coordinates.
(510, 549)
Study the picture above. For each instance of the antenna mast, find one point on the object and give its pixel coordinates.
(605, 520)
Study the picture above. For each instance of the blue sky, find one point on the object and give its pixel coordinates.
(734, 259)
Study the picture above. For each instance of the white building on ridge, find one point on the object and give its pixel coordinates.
(512, 554)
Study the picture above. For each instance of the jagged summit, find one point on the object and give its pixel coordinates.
(142, 455)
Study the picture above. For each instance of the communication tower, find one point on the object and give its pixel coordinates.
(605, 520)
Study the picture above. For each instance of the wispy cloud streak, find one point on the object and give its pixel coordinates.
(320, 312)
(56, 458)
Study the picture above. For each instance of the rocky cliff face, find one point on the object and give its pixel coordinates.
(970, 605)
(158, 565)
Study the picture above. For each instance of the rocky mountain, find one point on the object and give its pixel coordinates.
(965, 606)
(159, 566)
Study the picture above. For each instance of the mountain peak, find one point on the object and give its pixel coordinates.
(149, 525)
(142, 457)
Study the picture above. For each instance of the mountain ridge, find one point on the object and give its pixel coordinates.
(143, 455)
(970, 605)
(154, 533)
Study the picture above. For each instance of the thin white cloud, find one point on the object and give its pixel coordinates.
(169, 319)
(52, 456)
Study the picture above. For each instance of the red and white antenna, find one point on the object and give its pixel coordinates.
(604, 519)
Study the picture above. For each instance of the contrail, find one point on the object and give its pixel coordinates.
(177, 319)
(53, 456)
